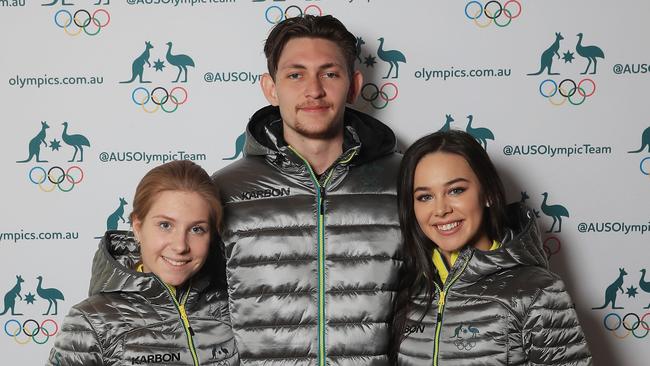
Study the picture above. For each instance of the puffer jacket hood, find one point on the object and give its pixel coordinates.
(264, 134)
(498, 307)
(521, 246)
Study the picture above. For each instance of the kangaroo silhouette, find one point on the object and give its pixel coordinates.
(113, 219)
(49, 294)
(10, 297)
(393, 57)
(481, 134)
(76, 141)
(524, 197)
(180, 61)
(645, 141)
(137, 68)
(591, 53)
(554, 211)
(239, 146)
(612, 290)
(547, 56)
(447, 126)
(360, 42)
(35, 145)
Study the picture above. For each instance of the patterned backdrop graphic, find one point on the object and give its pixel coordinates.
(96, 92)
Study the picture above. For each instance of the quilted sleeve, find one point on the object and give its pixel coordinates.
(552, 334)
(77, 343)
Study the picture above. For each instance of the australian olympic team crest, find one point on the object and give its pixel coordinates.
(275, 11)
(559, 89)
(618, 319)
(379, 94)
(481, 134)
(50, 175)
(644, 164)
(29, 316)
(500, 13)
(174, 65)
(74, 21)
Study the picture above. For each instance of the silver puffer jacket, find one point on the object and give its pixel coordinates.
(131, 318)
(501, 307)
(312, 262)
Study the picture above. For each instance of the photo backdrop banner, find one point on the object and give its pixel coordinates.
(94, 93)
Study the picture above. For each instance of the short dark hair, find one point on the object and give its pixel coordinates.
(418, 271)
(309, 26)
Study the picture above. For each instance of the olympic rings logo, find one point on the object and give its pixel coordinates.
(160, 97)
(552, 246)
(31, 330)
(641, 166)
(613, 322)
(91, 24)
(567, 89)
(501, 15)
(55, 177)
(462, 344)
(379, 96)
(274, 14)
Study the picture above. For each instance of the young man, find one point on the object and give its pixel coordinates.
(311, 231)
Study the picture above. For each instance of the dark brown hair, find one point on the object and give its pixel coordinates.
(309, 26)
(179, 175)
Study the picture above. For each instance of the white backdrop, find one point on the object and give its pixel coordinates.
(568, 135)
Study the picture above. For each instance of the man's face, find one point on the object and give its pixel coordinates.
(311, 87)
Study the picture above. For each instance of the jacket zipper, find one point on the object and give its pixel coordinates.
(320, 199)
(441, 307)
(189, 332)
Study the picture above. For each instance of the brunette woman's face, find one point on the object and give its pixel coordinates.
(448, 203)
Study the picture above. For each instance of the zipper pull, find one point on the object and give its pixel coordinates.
(441, 302)
(322, 200)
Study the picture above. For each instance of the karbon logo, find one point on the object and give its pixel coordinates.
(274, 14)
(158, 97)
(22, 328)
(75, 21)
(48, 176)
(644, 165)
(380, 94)
(481, 134)
(501, 14)
(623, 324)
(558, 90)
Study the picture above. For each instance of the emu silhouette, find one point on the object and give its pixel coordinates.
(76, 141)
(49, 294)
(180, 61)
(554, 211)
(591, 53)
(393, 57)
(645, 286)
(481, 134)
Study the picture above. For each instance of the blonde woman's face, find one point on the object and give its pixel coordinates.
(174, 236)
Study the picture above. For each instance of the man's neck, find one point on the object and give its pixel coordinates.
(319, 153)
